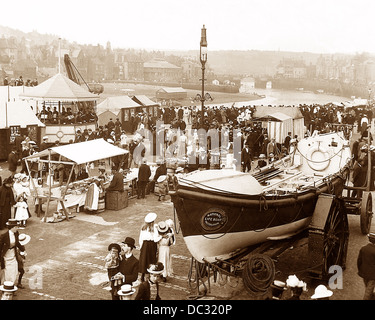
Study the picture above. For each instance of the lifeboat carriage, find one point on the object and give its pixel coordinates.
(230, 220)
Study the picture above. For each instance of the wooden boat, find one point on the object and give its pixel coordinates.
(221, 212)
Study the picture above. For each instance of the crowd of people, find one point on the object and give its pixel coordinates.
(51, 115)
(176, 135)
(129, 275)
(20, 82)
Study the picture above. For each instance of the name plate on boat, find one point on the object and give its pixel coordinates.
(214, 219)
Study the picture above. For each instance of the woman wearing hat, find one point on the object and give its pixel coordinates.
(9, 241)
(6, 201)
(164, 256)
(148, 239)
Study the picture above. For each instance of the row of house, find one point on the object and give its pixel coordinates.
(359, 70)
(94, 63)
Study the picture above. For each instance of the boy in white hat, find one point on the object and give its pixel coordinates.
(126, 292)
(8, 289)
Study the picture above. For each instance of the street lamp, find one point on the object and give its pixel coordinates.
(369, 96)
(203, 59)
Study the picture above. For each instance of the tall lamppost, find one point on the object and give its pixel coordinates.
(203, 59)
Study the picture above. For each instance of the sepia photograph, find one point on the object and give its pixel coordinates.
(202, 153)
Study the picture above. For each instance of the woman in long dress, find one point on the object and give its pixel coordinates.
(6, 201)
(164, 244)
(148, 239)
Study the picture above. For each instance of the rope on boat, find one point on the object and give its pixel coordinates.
(320, 161)
(175, 219)
(228, 231)
(263, 198)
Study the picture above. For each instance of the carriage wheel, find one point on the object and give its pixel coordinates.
(259, 273)
(336, 237)
(366, 212)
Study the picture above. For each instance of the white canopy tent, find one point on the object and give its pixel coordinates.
(76, 154)
(17, 113)
(58, 88)
(83, 152)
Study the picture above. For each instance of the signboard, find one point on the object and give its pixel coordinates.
(214, 219)
(14, 131)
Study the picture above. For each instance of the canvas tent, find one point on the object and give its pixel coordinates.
(280, 120)
(83, 152)
(144, 101)
(17, 119)
(111, 106)
(278, 125)
(58, 88)
(17, 113)
(74, 154)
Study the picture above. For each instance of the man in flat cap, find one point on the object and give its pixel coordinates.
(366, 266)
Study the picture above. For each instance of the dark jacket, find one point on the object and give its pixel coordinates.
(246, 156)
(12, 161)
(117, 183)
(144, 172)
(144, 291)
(129, 268)
(366, 262)
(5, 245)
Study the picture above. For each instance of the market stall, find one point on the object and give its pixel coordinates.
(84, 154)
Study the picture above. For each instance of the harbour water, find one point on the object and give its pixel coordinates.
(289, 98)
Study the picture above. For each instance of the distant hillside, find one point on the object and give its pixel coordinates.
(250, 62)
(35, 37)
(228, 62)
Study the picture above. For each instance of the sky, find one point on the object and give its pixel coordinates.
(318, 26)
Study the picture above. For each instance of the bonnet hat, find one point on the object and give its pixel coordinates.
(162, 227)
(24, 239)
(114, 245)
(157, 268)
(321, 292)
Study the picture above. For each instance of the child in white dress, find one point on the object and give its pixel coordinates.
(21, 210)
